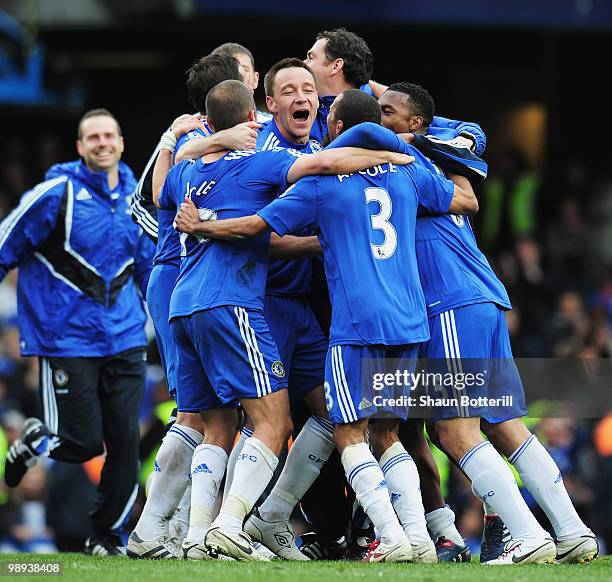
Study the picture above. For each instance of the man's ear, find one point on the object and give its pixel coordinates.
(415, 123)
(79, 147)
(256, 77)
(271, 104)
(339, 126)
(252, 115)
(337, 66)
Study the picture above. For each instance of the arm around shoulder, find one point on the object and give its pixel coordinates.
(464, 199)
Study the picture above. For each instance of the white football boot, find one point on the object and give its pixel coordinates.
(277, 536)
(542, 551)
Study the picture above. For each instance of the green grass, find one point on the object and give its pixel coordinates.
(80, 567)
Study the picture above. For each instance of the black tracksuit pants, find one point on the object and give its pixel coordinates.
(93, 404)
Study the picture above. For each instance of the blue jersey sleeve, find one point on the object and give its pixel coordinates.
(270, 168)
(448, 129)
(187, 137)
(295, 209)
(29, 225)
(371, 136)
(169, 195)
(435, 192)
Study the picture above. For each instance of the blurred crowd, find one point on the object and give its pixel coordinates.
(552, 251)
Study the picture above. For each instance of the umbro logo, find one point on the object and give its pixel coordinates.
(203, 468)
(284, 539)
(83, 194)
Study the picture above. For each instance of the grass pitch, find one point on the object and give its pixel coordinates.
(80, 567)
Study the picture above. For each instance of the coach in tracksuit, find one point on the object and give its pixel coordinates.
(81, 264)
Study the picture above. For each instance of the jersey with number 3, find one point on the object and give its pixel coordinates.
(366, 225)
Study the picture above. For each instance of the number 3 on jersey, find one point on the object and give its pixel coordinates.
(380, 221)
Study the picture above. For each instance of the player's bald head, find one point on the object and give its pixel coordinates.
(228, 104)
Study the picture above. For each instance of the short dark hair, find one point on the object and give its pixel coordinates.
(287, 63)
(353, 50)
(96, 113)
(421, 100)
(356, 107)
(233, 49)
(229, 104)
(207, 72)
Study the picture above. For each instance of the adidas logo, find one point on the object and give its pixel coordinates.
(83, 194)
(559, 478)
(381, 485)
(365, 403)
(203, 468)
(156, 467)
(395, 497)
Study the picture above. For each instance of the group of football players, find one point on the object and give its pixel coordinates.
(352, 196)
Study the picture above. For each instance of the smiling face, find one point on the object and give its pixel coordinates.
(294, 102)
(398, 114)
(100, 144)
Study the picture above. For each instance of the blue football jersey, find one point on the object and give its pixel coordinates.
(366, 224)
(270, 137)
(453, 270)
(215, 273)
(168, 251)
(287, 277)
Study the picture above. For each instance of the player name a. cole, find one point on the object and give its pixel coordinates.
(373, 172)
(203, 188)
